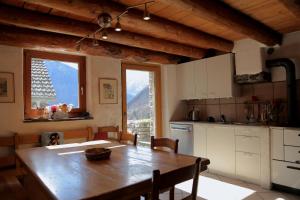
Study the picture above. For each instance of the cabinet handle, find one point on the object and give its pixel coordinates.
(292, 167)
(299, 134)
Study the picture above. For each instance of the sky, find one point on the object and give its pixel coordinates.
(136, 80)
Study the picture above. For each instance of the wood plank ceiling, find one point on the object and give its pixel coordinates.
(187, 28)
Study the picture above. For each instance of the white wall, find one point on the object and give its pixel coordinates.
(11, 114)
(250, 55)
(290, 48)
(172, 108)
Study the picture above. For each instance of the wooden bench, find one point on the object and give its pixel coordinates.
(10, 167)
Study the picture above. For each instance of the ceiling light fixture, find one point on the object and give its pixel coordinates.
(104, 35)
(105, 20)
(118, 27)
(95, 41)
(146, 13)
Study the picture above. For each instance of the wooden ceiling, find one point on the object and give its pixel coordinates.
(187, 28)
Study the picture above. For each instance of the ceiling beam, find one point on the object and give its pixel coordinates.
(132, 22)
(41, 40)
(292, 5)
(222, 14)
(34, 20)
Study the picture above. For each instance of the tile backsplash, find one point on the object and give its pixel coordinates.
(234, 108)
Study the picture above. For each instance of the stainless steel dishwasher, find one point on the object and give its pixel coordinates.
(184, 133)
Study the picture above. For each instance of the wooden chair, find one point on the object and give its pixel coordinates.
(175, 177)
(128, 138)
(170, 144)
(110, 129)
(164, 143)
(9, 160)
(10, 187)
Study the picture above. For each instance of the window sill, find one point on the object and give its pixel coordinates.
(57, 120)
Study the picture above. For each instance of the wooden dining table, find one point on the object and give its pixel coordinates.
(63, 172)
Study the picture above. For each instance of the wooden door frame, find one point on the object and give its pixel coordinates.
(157, 85)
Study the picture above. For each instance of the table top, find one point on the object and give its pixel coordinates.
(65, 172)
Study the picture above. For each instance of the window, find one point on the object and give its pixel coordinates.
(53, 79)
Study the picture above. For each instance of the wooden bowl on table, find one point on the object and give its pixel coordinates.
(97, 153)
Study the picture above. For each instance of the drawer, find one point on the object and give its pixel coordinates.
(292, 137)
(247, 144)
(250, 131)
(292, 154)
(287, 174)
(248, 167)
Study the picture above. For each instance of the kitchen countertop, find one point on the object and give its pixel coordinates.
(233, 124)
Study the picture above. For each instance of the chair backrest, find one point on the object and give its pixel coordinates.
(110, 129)
(170, 179)
(164, 142)
(7, 160)
(128, 138)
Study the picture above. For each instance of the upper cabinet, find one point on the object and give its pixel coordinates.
(207, 78)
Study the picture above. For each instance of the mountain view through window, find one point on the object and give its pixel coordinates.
(53, 83)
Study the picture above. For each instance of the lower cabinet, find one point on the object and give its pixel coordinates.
(248, 166)
(221, 150)
(200, 138)
(286, 173)
(235, 151)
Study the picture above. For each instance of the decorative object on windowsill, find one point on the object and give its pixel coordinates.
(60, 111)
(97, 153)
(7, 88)
(108, 91)
(105, 21)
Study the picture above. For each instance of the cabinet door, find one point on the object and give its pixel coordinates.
(200, 78)
(185, 77)
(277, 144)
(220, 76)
(221, 150)
(199, 140)
(248, 166)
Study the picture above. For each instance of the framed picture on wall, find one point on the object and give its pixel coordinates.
(7, 88)
(108, 91)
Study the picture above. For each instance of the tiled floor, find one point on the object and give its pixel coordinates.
(215, 187)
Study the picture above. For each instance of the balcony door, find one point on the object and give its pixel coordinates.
(141, 93)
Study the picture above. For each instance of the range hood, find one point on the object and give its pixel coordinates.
(250, 59)
(253, 78)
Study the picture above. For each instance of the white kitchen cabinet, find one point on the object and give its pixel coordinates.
(185, 77)
(220, 76)
(277, 148)
(221, 150)
(248, 166)
(200, 77)
(285, 173)
(207, 78)
(200, 140)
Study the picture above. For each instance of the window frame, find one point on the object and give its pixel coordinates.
(30, 113)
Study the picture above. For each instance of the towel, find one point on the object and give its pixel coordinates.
(52, 138)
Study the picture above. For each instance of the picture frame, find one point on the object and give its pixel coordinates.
(7, 87)
(108, 91)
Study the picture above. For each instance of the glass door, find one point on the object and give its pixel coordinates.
(141, 101)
